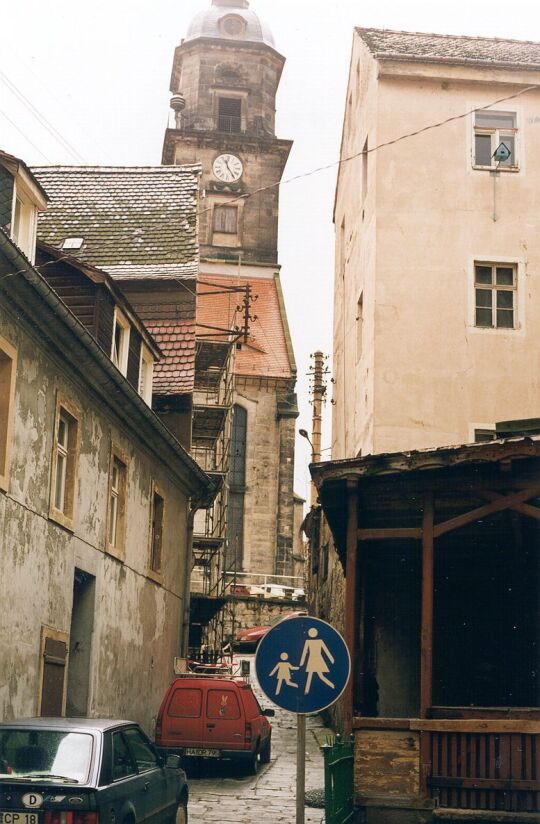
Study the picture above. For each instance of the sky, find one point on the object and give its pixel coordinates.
(98, 75)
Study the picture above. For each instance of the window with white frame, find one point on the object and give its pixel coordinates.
(117, 505)
(146, 375)
(495, 289)
(65, 463)
(24, 223)
(120, 342)
(491, 129)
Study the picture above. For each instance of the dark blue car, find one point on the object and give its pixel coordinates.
(86, 771)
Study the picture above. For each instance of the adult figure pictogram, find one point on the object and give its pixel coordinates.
(313, 655)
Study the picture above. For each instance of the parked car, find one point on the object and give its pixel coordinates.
(86, 771)
(210, 717)
(247, 639)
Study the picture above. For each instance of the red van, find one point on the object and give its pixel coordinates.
(210, 717)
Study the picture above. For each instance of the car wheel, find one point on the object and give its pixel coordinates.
(252, 764)
(181, 814)
(266, 752)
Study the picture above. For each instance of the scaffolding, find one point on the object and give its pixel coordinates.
(212, 611)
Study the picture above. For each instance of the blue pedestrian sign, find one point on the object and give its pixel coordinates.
(303, 665)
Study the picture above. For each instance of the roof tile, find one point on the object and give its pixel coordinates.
(417, 46)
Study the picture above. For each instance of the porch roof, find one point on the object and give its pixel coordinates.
(390, 485)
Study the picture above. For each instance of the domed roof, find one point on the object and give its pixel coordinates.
(222, 21)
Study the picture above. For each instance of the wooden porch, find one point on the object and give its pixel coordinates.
(441, 550)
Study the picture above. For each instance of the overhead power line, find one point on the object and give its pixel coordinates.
(343, 160)
(9, 120)
(66, 145)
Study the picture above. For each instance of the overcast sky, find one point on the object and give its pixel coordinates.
(99, 73)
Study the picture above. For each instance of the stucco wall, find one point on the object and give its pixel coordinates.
(137, 622)
(427, 376)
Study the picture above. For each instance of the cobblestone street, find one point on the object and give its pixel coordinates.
(223, 795)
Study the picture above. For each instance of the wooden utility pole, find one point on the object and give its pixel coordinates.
(319, 396)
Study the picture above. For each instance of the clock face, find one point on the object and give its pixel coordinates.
(228, 168)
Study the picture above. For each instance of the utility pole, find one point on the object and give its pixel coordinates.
(319, 373)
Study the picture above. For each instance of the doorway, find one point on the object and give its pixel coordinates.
(80, 643)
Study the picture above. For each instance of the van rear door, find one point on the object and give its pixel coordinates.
(225, 722)
(183, 719)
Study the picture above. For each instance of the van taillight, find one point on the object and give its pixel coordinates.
(70, 817)
(248, 731)
(158, 730)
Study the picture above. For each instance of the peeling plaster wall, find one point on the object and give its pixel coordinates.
(137, 622)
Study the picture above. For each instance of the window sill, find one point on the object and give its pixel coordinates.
(154, 576)
(62, 519)
(496, 168)
(117, 554)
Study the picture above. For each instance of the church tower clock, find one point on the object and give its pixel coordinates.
(225, 77)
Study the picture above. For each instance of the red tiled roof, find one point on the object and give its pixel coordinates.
(175, 373)
(267, 352)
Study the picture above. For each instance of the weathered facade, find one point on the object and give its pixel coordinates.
(95, 496)
(435, 294)
(442, 561)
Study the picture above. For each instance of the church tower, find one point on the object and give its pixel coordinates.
(225, 77)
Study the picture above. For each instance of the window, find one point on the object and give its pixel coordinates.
(73, 243)
(64, 465)
(156, 533)
(24, 225)
(237, 490)
(232, 25)
(495, 287)
(141, 750)
(8, 365)
(229, 114)
(120, 342)
(146, 375)
(117, 505)
(186, 703)
(123, 765)
(490, 130)
(226, 219)
(222, 704)
(484, 435)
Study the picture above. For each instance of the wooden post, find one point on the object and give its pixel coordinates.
(350, 599)
(426, 675)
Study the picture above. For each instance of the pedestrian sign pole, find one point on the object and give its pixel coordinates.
(300, 769)
(302, 665)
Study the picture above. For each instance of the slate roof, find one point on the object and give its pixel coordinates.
(175, 374)
(135, 221)
(446, 48)
(267, 354)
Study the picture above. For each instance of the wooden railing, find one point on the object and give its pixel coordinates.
(486, 770)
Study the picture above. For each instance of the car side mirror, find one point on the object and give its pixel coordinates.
(269, 713)
(174, 762)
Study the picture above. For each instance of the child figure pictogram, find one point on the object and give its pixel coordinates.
(283, 670)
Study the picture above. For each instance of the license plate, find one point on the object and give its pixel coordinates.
(18, 817)
(200, 753)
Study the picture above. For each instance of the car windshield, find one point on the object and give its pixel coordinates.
(45, 754)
